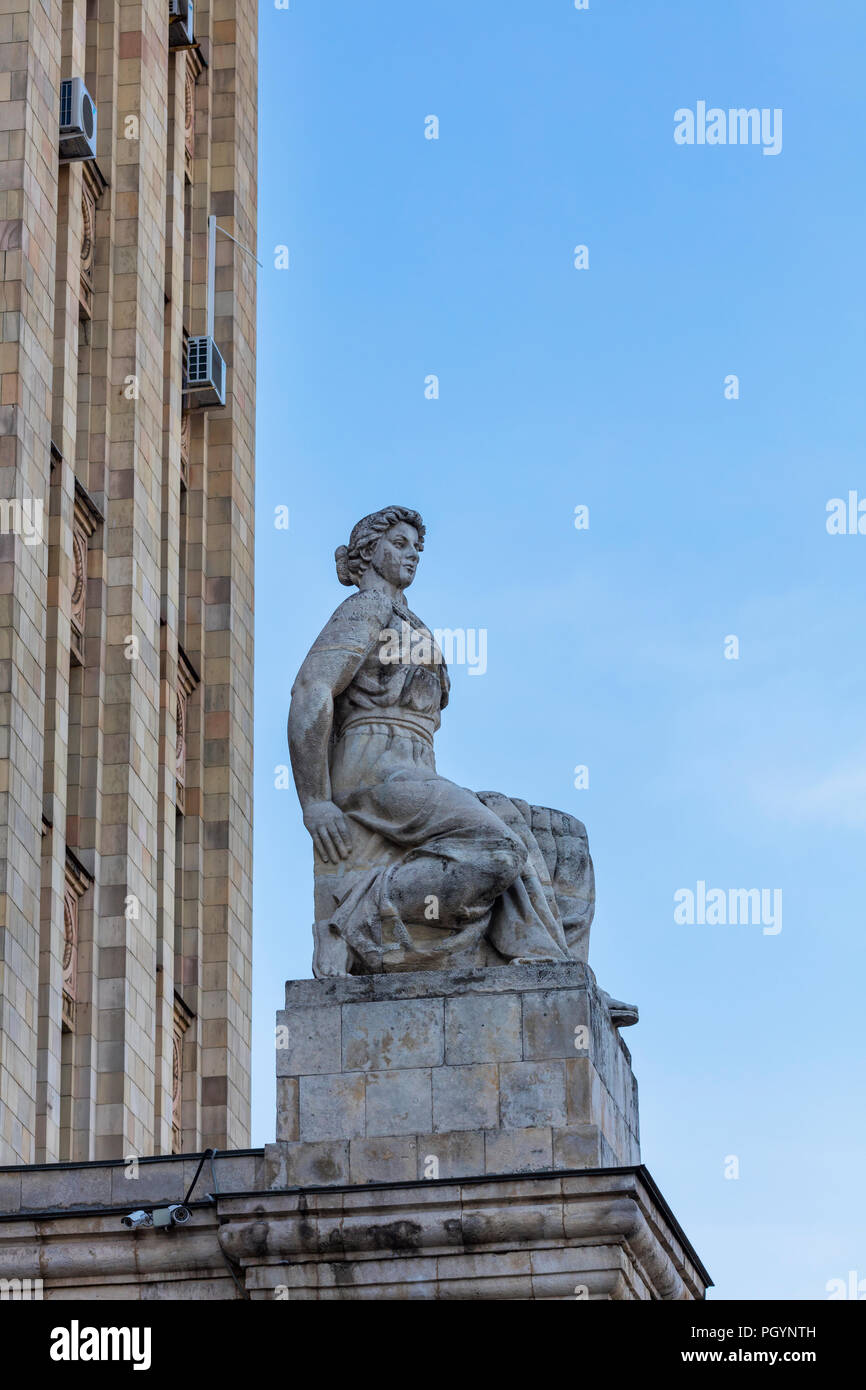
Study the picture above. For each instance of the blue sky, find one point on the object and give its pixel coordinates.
(601, 387)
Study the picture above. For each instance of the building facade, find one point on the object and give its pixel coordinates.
(126, 576)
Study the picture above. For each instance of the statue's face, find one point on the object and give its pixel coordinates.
(396, 555)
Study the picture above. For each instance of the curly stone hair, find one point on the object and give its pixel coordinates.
(354, 558)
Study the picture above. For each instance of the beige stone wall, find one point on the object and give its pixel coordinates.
(125, 673)
(30, 47)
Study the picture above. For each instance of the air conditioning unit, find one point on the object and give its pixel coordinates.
(180, 30)
(77, 120)
(205, 375)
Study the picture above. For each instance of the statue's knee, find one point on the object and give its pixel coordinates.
(507, 861)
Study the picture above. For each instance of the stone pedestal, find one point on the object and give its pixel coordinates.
(454, 1135)
(450, 1074)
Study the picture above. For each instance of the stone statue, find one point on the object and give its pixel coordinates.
(412, 871)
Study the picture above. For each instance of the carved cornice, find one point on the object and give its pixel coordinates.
(86, 508)
(537, 1233)
(77, 875)
(94, 179)
(525, 1212)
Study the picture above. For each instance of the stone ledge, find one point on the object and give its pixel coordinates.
(105, 1182)
(607, 1233)
(416, 984)
(530, 1237)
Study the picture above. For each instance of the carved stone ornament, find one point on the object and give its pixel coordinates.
(85, 519)
(92, 186)
(187, 680)
(76, 883)
(185, 440)
(181, 1022)
(194, 66)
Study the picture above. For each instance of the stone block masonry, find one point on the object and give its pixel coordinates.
(450, 1074)
(126, 626)
(592, 1235)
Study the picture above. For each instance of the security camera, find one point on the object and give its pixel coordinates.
(176, 1215)
(137, 1219)
(160, 1217)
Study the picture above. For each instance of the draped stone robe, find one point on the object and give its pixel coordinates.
(409, 821)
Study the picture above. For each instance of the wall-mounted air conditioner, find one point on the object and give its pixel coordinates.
(204, 381)
(77, 120)
(180, 30)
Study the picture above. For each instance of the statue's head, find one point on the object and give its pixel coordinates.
(387, 542)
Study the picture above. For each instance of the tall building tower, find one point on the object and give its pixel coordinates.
(127, 398)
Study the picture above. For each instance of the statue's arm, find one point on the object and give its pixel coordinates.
(328, 669)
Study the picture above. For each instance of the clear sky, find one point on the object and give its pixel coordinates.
(606, 647)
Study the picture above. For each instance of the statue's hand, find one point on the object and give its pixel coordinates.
(329, 829)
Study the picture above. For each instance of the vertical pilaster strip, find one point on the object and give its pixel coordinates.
(228, 590)
(87, 707)
(127, 958)
(189, 897)
(69, 231)
(30, 46)
(170, 692)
